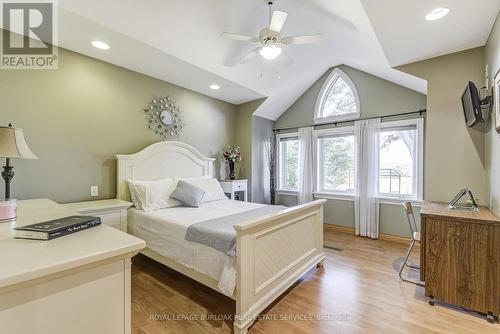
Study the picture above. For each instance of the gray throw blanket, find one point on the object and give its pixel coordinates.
(219, 233)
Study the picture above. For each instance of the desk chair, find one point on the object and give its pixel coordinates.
(415, 237)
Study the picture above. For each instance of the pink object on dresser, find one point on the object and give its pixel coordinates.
(8, 209)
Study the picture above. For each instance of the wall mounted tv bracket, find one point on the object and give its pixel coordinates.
(487, 101)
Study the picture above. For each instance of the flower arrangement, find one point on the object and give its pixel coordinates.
(232, 154)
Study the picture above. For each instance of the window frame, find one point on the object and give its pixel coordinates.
(325, 89)
(418, 168)
(337, 194)
(279, 164)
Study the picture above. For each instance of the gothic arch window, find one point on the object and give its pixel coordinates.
(338, 99)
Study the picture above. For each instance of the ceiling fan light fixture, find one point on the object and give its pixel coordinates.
(270, 52)
(437, 13)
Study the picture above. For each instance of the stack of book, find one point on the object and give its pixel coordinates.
(56, 228)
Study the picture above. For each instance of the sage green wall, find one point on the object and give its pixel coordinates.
(78, 117)
(454, 155)
(341, 213)
(492, 138)
(250, 133)
(377, 97)
(244, 137)
(262, 132)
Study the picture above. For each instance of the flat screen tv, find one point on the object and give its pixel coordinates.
(471, 105)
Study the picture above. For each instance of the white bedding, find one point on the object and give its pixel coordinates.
(164, 231)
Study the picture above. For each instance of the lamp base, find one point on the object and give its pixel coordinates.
(8, 210)
(10, 220)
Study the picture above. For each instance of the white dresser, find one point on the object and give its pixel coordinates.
(77, 284)
(113, 212)
(235, 189)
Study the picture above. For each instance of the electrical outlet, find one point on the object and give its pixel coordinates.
(94, 191)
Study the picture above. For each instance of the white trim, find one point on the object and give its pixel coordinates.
(418, 180)
(400, 201)
(279, 166)
(338, 118)
(335, 196)
(342, 131)
(287, 192)
(334, 75)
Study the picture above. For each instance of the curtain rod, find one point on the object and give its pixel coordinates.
(421, 111)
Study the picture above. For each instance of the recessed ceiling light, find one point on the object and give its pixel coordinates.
(437, 13)
(214, 86)
(100, 45)
(270, 51)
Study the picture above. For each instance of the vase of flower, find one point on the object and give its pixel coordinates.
(232, 156)
(231, 170)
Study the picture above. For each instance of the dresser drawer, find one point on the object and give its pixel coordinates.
(240, 186)
(112, 219)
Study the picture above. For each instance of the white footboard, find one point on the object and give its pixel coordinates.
(272, 253)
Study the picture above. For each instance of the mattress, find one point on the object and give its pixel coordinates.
(164, 231)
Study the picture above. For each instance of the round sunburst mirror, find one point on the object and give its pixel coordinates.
(164, 117)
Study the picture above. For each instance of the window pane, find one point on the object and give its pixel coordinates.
(336, 169)
(397, 163)
(290, 164)
(339, 100)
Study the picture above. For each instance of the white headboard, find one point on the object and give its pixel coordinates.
(168, 159)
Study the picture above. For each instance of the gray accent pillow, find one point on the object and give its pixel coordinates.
(188, 194)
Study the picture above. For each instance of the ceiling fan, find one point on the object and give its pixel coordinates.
(270, 39)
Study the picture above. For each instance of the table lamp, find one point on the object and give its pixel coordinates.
(12, 146)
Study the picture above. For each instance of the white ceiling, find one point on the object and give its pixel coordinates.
(179, 41)
(406, 37)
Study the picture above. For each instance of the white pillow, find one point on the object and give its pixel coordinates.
(153, 195)
(211, 187)
(133, 192)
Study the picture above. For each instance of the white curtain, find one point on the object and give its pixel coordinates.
(410, 142)
(306, 179)
(366, 203)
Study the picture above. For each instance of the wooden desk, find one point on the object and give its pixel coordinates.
(460, 257)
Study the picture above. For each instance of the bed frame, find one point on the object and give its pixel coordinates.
(273, 252)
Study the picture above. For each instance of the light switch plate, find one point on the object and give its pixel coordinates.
(94, 191)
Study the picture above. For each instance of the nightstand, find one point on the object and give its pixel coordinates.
(113, 212)
(235, 189)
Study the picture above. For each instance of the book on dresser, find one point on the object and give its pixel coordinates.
(56, 228)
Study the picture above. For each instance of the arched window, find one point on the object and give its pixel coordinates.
(337, 100)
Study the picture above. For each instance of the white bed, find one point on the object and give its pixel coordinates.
(164, 231)
(273, 251)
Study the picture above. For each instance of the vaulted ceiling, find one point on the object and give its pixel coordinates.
(180, 41)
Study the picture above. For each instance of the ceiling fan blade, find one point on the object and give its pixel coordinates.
(249, 56)
(277, 21)
(301, 39)
(239, 37)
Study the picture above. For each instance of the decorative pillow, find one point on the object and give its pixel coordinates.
(154, 195)
(188, 194)
(211, 187)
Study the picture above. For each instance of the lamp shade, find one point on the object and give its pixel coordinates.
(13, 145)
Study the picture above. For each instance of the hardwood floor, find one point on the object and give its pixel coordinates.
(357, 291)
